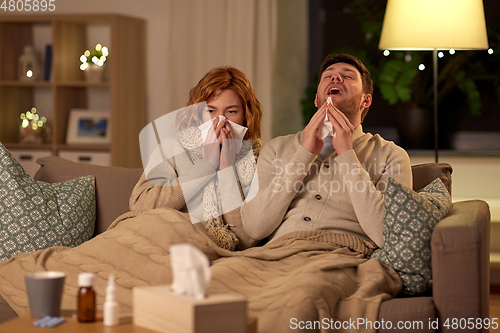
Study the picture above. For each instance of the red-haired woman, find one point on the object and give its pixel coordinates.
(203, 175)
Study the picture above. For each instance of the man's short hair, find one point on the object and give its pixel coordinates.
(351, 60)
(366, 80)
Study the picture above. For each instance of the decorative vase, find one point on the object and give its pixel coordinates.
(94, 73)
(28, 66)
(415, 126)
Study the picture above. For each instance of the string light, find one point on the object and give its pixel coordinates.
(97, 56)
(33, 119)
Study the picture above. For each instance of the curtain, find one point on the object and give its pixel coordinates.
(203, 34)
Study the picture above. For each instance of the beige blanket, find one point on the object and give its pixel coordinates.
(303, 278)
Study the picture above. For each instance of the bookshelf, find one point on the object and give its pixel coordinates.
(122, 93)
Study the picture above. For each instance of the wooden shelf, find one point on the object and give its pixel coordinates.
(28, 146)
(80, 147)
(50, 84)
(123, 92)
(17, 83)
(82, 84)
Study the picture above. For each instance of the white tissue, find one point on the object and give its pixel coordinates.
(326, 127)
(190, 270)
(238, 130)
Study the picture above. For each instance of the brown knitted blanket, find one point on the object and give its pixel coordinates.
(296, 280)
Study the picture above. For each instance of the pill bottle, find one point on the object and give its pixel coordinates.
(86, 298)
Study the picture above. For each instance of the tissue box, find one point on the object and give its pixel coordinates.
(157, 308)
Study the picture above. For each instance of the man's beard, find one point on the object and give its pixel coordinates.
(349, 107)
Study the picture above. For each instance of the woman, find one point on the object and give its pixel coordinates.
(135, 248)
(194, 172)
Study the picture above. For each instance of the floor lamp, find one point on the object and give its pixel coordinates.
(432, 25)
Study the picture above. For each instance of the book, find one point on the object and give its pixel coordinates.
(48, 63)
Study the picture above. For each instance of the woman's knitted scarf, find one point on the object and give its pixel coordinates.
(244, 165)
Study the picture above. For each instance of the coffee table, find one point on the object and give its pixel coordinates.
(24, 324)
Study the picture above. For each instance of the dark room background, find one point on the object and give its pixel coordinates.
(466, 124)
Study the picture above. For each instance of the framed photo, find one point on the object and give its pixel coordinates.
(88, 127)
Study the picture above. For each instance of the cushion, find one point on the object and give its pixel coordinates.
(409, 220)
(36, 215)
(425, 173)
(113, 185)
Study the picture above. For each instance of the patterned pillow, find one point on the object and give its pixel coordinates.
(409, 220)
(36, 215)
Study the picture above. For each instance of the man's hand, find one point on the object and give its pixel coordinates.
(310, 141)
(342, 141)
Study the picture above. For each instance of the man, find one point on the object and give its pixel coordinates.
(307, 185)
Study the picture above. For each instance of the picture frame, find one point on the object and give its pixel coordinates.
(88, 127)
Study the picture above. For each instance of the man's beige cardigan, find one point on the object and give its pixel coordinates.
(298, 190)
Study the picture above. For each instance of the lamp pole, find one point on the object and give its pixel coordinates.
(435, 75)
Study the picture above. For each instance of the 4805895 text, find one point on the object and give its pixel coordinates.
(28, 5)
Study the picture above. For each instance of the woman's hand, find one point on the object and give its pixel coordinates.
(211, 145)
(342, 140)
(228, 151)
(310, 141)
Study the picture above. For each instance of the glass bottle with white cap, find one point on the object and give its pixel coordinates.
(86, 298)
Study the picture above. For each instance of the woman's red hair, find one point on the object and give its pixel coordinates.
(219, 79)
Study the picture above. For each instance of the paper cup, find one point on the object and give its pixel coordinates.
(45, 291)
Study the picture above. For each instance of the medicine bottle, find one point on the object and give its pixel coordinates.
(86, 298)
(111, 317)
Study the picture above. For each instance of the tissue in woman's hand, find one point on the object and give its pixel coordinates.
(190, 270)
(326, 127)
(238, 130)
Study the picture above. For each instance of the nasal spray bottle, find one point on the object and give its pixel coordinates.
(110, 305)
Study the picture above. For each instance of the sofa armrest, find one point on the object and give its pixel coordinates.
(460, 263)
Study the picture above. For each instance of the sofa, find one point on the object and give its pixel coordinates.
(460, 247)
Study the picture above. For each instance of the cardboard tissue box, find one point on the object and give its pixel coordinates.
(157, 308)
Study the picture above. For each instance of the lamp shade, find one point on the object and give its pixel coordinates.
(434, 24)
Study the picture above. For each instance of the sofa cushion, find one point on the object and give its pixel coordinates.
(36, 215)
(409, 220)
(113, 185)
(425, 173)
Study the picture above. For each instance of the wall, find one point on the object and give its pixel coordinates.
(289, 76)
(290, 71)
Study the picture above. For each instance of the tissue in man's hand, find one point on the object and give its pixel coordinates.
(238, 130)
(326, 127)
(190, 270)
